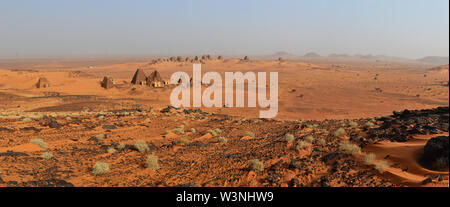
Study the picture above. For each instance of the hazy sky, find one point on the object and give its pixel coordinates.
(405, 28)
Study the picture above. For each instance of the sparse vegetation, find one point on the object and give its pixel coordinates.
(381, 166)
(222, 139)
(302, 145)
(47, 155)
(250, 134)
(369, 159)
(193, 130)
(339, 132)
(100, 168)
(309, 138)
(256, 165)
(289, 137)
(40, 143)
(152, 162)
(141, 146)
(349, 148)
(321, 142)
(369, 124)
(183, 140)
(99, 137)
(179, 129)
(121, 146)
(111, 150)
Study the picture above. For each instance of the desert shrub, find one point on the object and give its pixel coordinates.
(369, 159)
(212, 132)
(183, 140)
(147, 120)
(68, 119)
(100, 168)
(99, 137)
(353, 124)
(349, 148)
(289, 137)
(218, 131)
(26, 119)
(121, 146)
(222, 139)
(40, 143)
(47, 155)
(321, 141)
(250, 134)
(152, 162)
(256, 165)
(381, 166)
(111, 150)
(141, 146)
(193, 130)
(369, 124)
(309, 138)
(168, 131)
(339, 132)
(101, 117)
(302, 145)
(179, 130)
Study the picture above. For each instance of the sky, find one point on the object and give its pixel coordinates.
(64, 28)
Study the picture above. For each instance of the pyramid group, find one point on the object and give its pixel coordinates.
(153, 80)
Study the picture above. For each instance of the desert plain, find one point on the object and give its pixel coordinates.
(342, 122)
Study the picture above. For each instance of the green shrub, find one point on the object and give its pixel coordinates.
(256, 165)
(152, 162)
(141, 146)
(100, 168)
(40, 143)
(179, 130)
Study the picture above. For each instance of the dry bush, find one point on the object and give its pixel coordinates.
(152, 162)
(339, 132)
(47, 155)
(40, 143)
(309, 138)
(141, 146)
(222, 139)
(289, 137)
(250, 134)
(369, 159)
(349, 148)
(302, 145)
(100, 168)
(256, 165)
(381, 166)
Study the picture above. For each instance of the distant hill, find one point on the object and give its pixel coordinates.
(442, 68)
(338, 55)
(311, 54)
(282, 54)
(435, 59)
